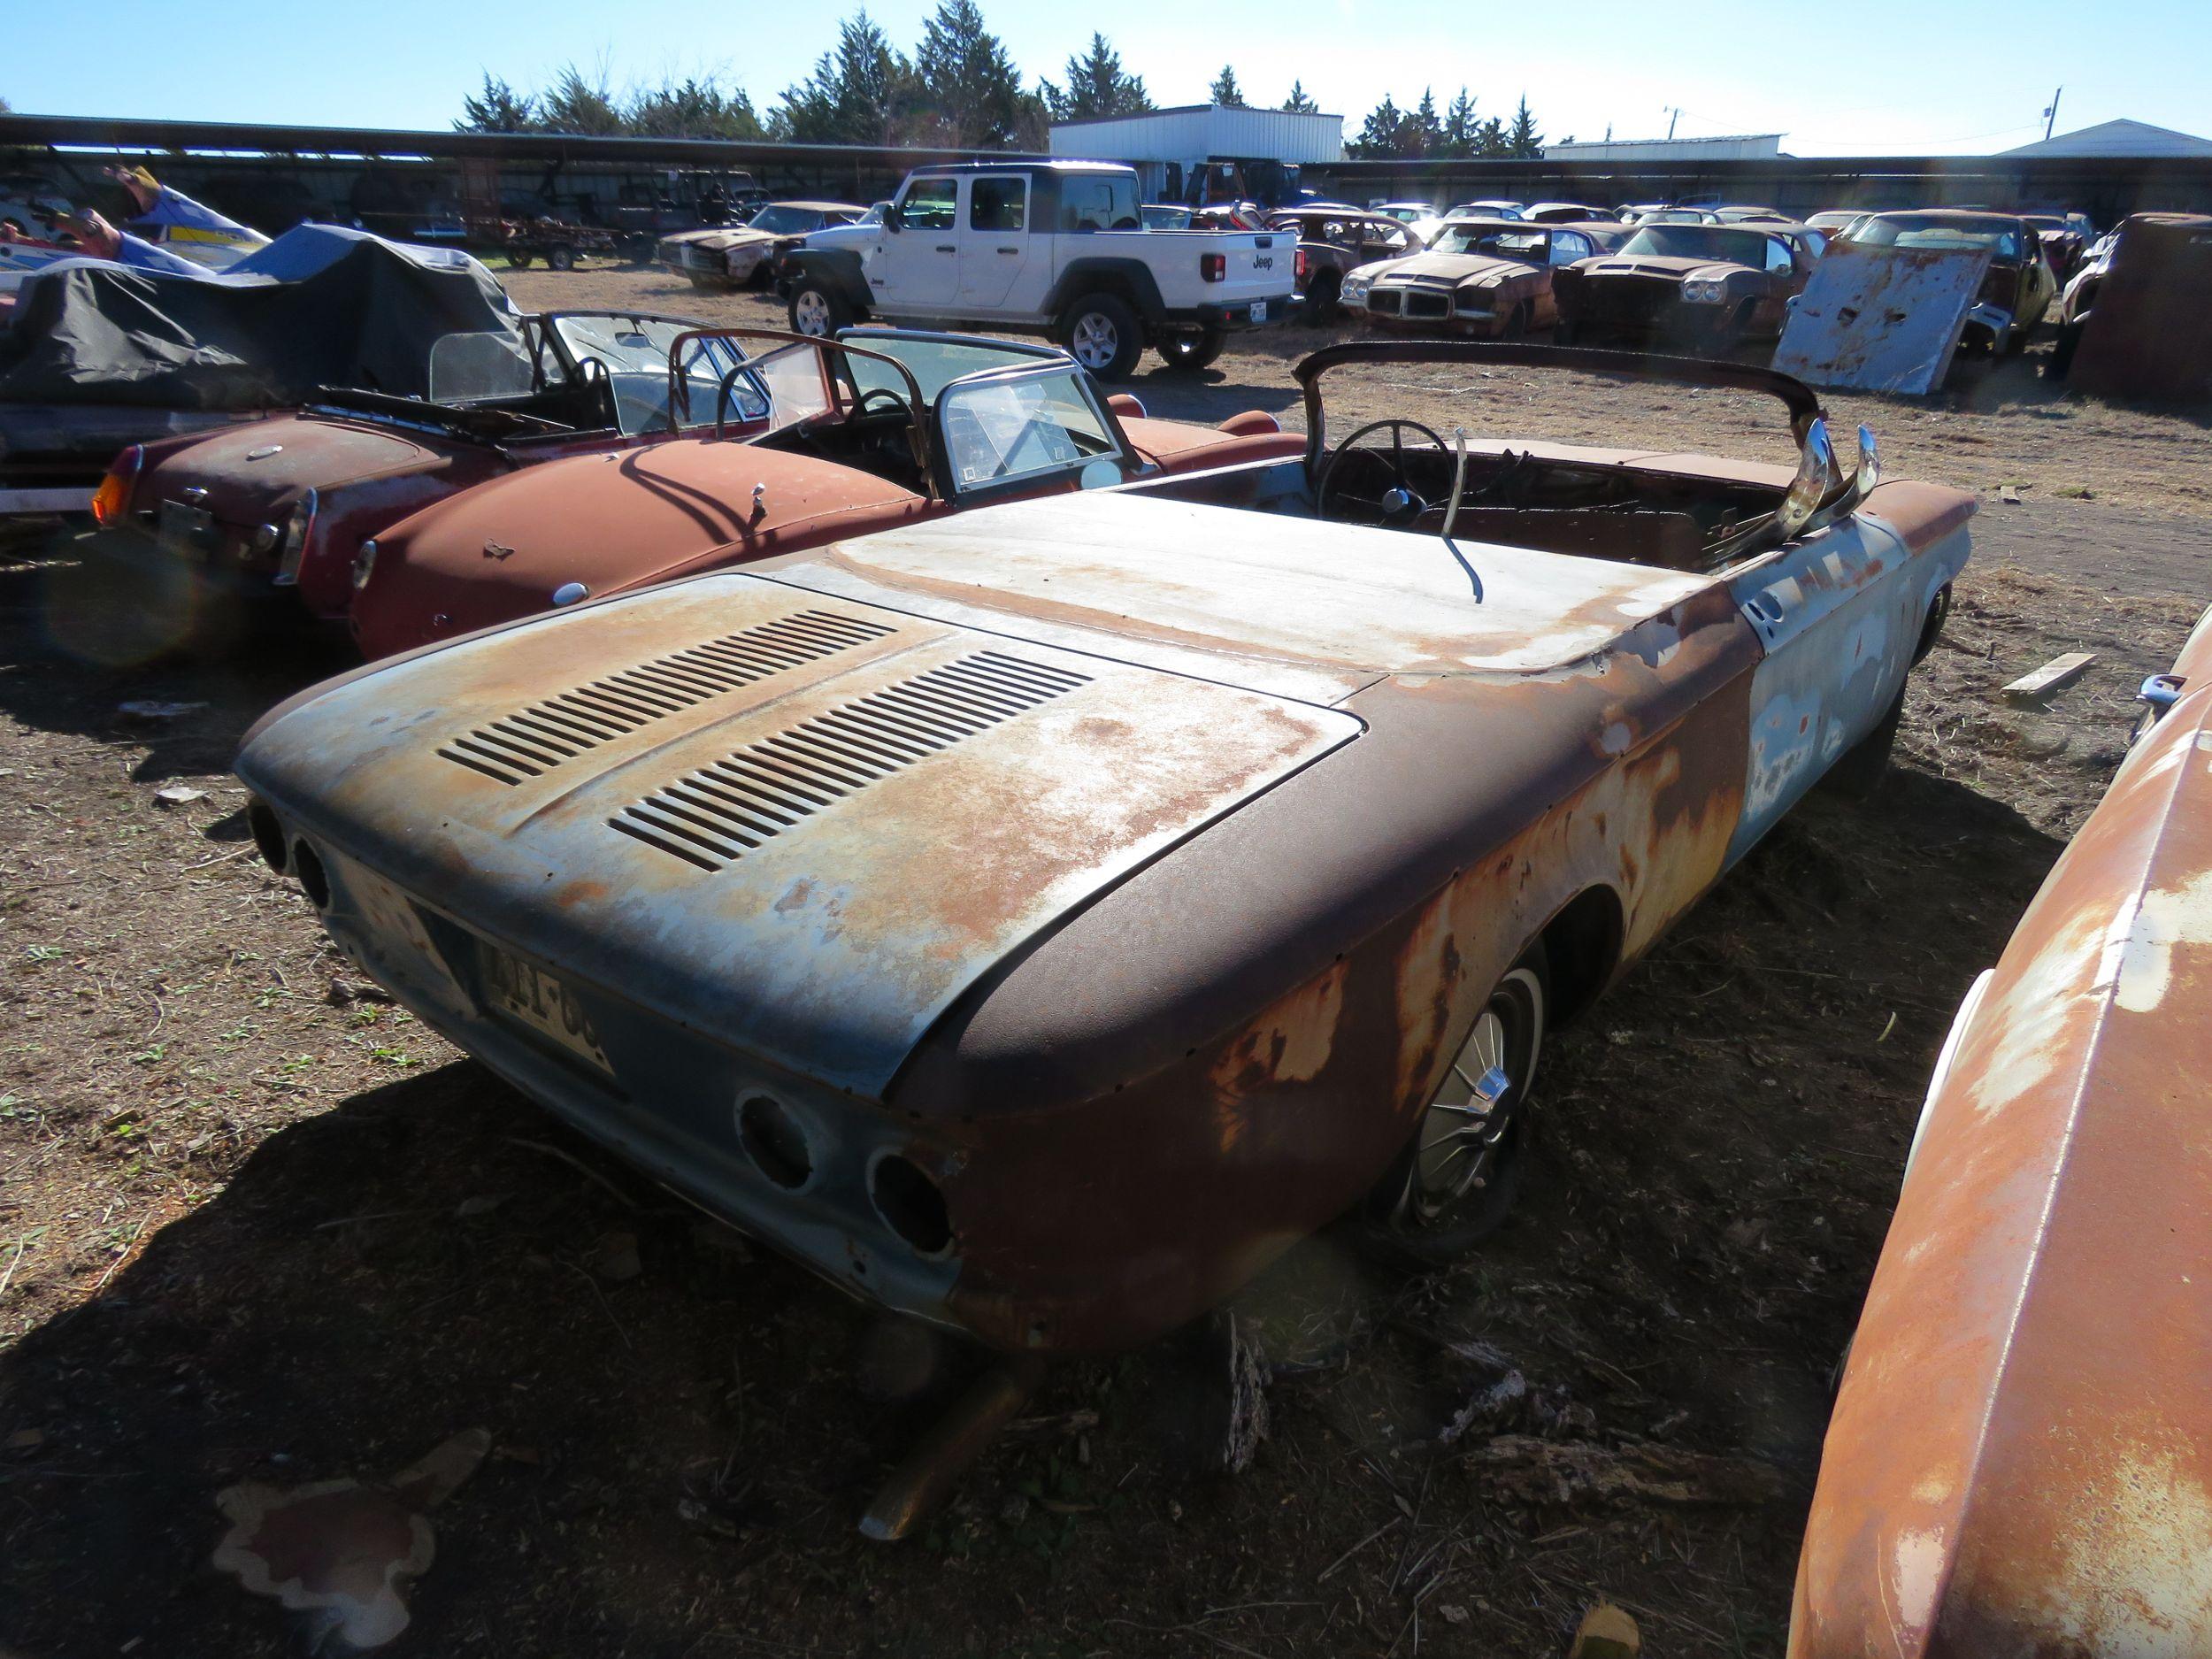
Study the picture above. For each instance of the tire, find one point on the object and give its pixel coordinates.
(560, 257)
(2063, 350)
(1103, 334)
(1515, 324)
(1189, 353)
(1562, 333)
(519, 261)
(1432, 1206)
(816, 311)
(1325, 297)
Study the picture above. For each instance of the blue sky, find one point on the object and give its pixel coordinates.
(1874, 77)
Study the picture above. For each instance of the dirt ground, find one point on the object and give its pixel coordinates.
(256, 1225)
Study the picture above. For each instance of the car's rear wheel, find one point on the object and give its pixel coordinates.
(816, 312)
(1103, 334)
(1193, 349)
(1516, 323)
(1324, 297)
(1456, 1179)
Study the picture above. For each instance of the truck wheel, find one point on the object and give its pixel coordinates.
(816, 312)
(560, 257)
(1103, 334)
(1192, 350)
(1452, 1186)
(519, 261)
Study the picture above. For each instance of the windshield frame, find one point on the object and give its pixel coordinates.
(1122, 453)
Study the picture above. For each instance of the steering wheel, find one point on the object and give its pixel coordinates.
(1385, 496)
(897, 402)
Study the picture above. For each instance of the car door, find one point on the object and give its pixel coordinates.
(920, 256)
(1839, 614)
(996, 244)
(1563, 247)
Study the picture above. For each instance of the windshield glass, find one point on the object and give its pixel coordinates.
(1699, 241)
(1525, 245)
(934, 363)
(1912, 230)
(1015, 429)
(1167, 218)
(634, 351)
(784, 221)
(465, 367)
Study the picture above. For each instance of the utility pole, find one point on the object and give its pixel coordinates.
(2050, 115)
(1674, 114)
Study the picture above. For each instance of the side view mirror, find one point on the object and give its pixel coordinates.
(892, 220)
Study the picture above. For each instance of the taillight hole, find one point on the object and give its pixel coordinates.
(911, 1205)
(313, 879)
(774, 1141)
(268, 835)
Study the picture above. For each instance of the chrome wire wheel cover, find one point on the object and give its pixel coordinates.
(810, 312)
(1094, 340)
(1465, 1134)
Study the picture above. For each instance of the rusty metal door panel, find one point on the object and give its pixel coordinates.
(2020, 1460)
(812, 860)
(1881, 319)
(1838, 616)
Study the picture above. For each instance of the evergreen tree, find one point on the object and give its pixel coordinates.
(1298, 102)
(577, 105)
(1224, 89)
(968, 92)
(1490, 142)
(1524, 143)
(691, 108)
(1459, 127)
(499, 109)
(1422, 134)
(1382, 134)
(860, 93)
(1095, 86)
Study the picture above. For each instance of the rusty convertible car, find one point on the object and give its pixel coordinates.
(284, 504)
(1037, 920)
(2018, 1462)
(1488, 277)
(878, 427)
(1708, 287)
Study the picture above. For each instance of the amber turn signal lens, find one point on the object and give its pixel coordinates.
(111, 502)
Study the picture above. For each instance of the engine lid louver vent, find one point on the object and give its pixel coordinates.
(713, 816)
(531, 742)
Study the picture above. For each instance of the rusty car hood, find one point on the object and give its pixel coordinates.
(1451, 267)
(799, 823)
(612, 522)
(276, 459)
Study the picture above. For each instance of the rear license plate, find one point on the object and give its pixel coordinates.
(186, 530)
(1259, 311)
(531, 997)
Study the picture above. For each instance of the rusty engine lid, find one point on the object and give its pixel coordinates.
(797, 823)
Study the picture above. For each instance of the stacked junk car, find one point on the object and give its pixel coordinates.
(1461, 964)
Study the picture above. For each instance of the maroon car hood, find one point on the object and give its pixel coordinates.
(247, 469)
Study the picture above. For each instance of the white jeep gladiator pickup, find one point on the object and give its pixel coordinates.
(1051, 247)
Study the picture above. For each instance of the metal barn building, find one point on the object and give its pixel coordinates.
(1207, 151)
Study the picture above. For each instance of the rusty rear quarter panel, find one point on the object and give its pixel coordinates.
(2019, 1462)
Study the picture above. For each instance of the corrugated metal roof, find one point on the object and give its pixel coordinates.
(2119, 138)
(1200, 132)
